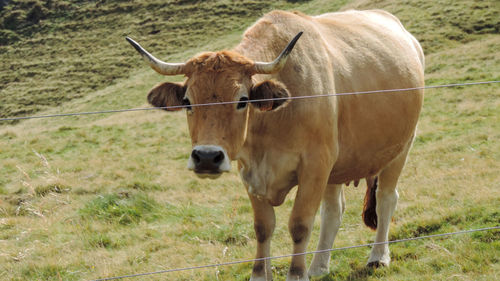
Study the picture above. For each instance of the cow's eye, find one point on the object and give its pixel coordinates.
(186, 103)
(243, 103)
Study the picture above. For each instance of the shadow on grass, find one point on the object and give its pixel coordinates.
(361, 273)
(358, 273)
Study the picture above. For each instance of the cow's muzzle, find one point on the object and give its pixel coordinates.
(209, 161)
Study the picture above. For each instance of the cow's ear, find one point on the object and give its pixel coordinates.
(269, 90)
(167, 94)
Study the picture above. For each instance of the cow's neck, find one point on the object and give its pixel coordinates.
(266, 167)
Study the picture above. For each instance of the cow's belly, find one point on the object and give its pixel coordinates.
(373, 131)
(355, 167)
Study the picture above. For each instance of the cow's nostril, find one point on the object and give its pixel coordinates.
(208, 160)
(219, 157)
(195, 156)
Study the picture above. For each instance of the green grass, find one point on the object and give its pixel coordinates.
(86, 197)
(123, 209)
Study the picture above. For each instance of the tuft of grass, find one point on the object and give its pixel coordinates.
(53, 272)
(145, 186)
(103, 240)
(46, 189)
(123, 210)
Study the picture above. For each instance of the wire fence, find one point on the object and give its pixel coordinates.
(448, 234)
(249, 101)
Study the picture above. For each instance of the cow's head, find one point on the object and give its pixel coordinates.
(217, 131)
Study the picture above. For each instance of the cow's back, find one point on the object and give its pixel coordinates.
(338, 53)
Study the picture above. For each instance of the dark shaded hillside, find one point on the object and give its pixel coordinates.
(3, 3)
(56, 50)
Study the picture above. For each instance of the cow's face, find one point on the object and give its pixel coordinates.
(217, 130)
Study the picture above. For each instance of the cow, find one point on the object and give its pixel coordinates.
(318, 144)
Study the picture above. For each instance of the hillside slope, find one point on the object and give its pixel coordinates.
(77, 47)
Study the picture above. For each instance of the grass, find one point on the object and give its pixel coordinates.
(87, 197)
(122, 208)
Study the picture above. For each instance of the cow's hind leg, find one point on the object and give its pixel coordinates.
(386, 201)
(264, 223)
(332, 209)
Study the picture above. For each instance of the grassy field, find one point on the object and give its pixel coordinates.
(105, 195)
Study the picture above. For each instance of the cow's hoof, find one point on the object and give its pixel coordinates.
(261, 278)
(297, 278)
(376, 264)
(317, 271)
(297, 275)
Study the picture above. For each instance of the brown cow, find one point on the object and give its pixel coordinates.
(317, 143)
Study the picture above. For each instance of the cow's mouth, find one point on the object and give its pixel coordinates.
(204, 174)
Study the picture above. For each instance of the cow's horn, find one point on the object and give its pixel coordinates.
(279, 62)
(158, 65)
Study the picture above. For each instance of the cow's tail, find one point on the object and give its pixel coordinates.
(370, 205)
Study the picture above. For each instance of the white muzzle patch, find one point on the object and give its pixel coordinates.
(209, 161)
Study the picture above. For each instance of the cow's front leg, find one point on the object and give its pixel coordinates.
(306, 204)
(332, 208)
(264, 223)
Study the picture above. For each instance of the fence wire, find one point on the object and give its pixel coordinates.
(300, 254)
(249, 101)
